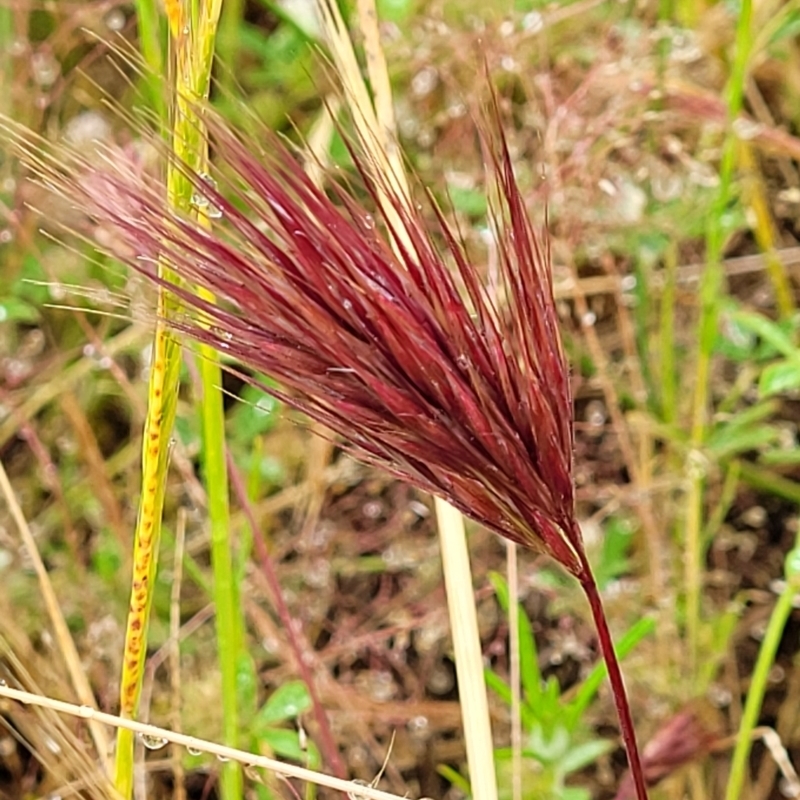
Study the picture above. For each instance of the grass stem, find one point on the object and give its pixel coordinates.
(711, 288)
(467, 649)
(617, 685)
(759, 681)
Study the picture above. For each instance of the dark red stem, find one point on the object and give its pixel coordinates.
(615, 676)
(297, 642)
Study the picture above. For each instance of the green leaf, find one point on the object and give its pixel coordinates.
(247, 683)
(107, 557)
(530, 674)
(788, 28)
(286, 702)
(588, 689)
(256, 414)
(581, 755)
(455, 778)
(548, 747)
(397, 11)
(575, 793)
(283, 742)
(772, 333)
(12, 309)
(782, 457)
(614, 560)
(468, 201)
(783, 376)
(732, 441)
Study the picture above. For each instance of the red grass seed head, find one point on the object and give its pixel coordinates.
(368, 330)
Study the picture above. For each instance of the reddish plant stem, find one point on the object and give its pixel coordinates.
(615, 677)
(300, 648)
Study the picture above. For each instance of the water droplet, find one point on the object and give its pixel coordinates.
(418, 726)
(87, 127)
(45, 68)
(3, 684)
(533, 22)
(508, 63)
(747, 129)
(222, 759)
(440, 680)
(193, 751)
(607, 187)
(356, 795)
(596, 413)
(87, 712)
(424, 82)
(153, 742)
(6, 236)
(369, 222)
(200, 202)
(347, 305)
(588, 319)
(462, 360)
(115, 19)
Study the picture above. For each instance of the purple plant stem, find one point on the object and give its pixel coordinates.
(589, 586)
(299, 647)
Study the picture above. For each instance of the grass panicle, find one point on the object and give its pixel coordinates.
(467, 400)
(390, 341)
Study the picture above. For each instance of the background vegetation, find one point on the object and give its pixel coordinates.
(662, 139)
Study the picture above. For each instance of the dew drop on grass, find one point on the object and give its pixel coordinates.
(356, 795)
(153, 742)
(115, 19)
(193, 751)
(596, 414)
(746, 129)
(200, 202)
(45, 68)
(419, 726)
(3, 684)
(57, 291)
(533, 22)
(222, 759)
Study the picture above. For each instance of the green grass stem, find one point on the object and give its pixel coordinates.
(195, 57)
(711, 291)
(148, 20)
(758, 683)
